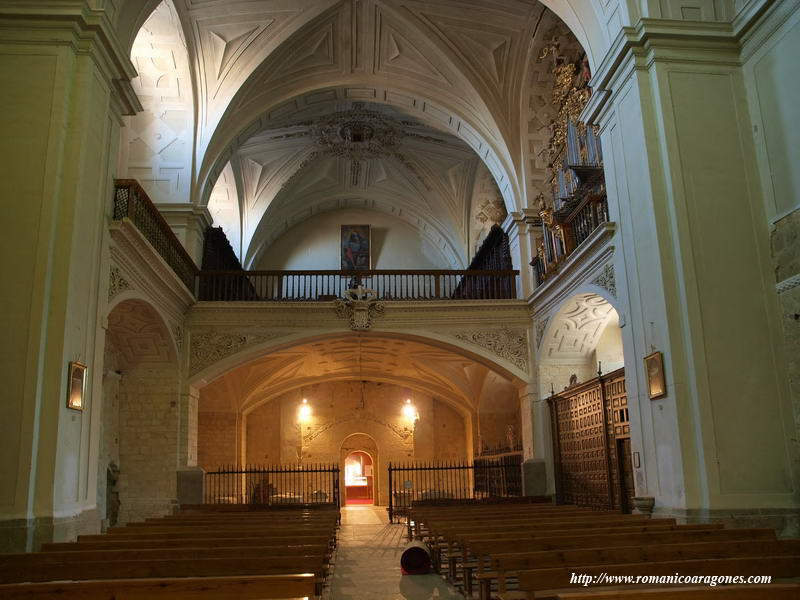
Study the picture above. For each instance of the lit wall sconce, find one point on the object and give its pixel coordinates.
(410, 411)
(304, 412)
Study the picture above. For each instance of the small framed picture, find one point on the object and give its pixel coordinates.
(654, 367)
(76, 385)
(355, 253)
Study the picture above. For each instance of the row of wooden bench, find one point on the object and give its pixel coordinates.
(537, 549)
(197, 554)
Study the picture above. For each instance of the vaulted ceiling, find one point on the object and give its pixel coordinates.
(454, 80)
(459, 380)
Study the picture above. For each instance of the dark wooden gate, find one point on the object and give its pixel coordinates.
(591, 443)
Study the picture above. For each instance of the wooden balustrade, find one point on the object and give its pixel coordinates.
(562, 235)
(250, 286)
(132, 202)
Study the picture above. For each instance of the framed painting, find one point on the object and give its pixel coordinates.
(654, 367)
(356, 248)
(76, 385)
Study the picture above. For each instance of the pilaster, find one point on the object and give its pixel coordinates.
(66, 86)
(694, 272)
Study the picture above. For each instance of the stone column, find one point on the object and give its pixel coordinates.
(65, 87)
(517, 228)
(693, 273)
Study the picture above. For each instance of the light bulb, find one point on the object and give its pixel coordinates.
(304, 411)
(410, 411)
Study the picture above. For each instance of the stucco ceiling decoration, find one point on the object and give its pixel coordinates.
(357, 134)
(355, 357)
(338, 154)
(139, 335)
(573, 333)
(364, 45)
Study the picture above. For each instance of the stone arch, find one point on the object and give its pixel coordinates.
(140, 390)
(222, 352)
(435, 233)
(362, 442)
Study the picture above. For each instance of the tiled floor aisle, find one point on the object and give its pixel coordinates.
(367, 563)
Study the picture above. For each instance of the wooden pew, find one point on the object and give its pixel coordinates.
(453, 535)
(160, 553)
(557, 580)
(161, 568)
(118, 543)
(262, 587)
(503, 564)
(771, 591)
(483, 550)
(465, 539)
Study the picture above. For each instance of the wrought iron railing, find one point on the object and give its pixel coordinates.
(273, 485)
(499, 477)
(132, 202)
(328, 285)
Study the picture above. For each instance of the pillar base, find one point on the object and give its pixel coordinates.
(534, 477)
(28, 535)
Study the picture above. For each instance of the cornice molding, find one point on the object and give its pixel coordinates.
(585, 265)
(146, 271)
(666, 40)
(89, 31)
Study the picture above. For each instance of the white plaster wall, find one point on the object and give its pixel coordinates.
(609, 348)
(159, 141)
(314, 244)
(772, 78)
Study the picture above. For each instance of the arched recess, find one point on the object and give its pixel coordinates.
(363, 442)
(140, 392)
(581, 332)
(251, 390)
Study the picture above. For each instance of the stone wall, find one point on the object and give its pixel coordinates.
(148, 442)
(345, 416)
(218, 432)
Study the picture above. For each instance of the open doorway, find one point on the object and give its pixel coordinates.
(359, 478)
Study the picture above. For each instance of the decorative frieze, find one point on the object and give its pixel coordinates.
(606, 280)
(116, 283)
(209, 347)
(509, 344)
(356, 416)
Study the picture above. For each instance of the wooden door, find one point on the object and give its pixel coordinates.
(627, 488)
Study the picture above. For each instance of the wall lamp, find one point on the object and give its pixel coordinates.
(410, 411)
(304, 412)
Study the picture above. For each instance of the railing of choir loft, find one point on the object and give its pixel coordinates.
(498, 477)
(566, 233)
(256, 286)
(273, 485)
(132, 202)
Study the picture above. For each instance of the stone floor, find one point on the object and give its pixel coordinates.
(367, 562)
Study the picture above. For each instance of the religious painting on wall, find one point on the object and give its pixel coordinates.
(654, 366)
(76, 385)
(356, 248)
